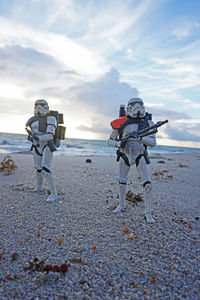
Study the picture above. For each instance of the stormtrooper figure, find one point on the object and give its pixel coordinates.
(133, 151)
(42, 130)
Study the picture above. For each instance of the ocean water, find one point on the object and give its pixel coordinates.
(10, 143)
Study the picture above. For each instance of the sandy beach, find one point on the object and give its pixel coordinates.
(160, 261)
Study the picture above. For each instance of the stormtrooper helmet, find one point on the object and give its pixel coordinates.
(135, 108)
(41, 108)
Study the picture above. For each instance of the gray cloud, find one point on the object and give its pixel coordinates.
(38, 74)
(9, 106)
(163, 114)
(181, 135)
(174, 133)
(26, 67)
(25, 56)
(32, 68)
(106, 93)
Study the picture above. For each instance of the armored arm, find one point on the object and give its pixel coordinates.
(113, 139)
(148, 134)
(149, 140)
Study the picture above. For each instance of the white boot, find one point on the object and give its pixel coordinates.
(53, 196)
(122, 194)
(39, 182)
(147, 199)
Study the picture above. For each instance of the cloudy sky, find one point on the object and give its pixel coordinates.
(88, 57)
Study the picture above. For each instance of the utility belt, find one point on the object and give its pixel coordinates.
(137, 160)
(49, 144)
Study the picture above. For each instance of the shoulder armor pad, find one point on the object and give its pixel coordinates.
(31, 120)
(118, 122)
(51, 120)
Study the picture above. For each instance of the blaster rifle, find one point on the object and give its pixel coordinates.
(31, 138)
(144, 132)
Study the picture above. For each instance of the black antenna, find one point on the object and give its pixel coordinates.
(122, 112)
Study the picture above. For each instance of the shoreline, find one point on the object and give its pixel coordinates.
(104, 263)
(59, 153)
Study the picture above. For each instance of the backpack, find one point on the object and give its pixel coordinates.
(60, 130)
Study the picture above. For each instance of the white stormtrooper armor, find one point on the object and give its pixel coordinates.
(134, 151)
(43, 127)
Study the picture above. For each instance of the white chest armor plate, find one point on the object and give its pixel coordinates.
(132, 148)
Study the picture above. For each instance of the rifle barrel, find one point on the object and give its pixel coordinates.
(158, 124)
(144, 132)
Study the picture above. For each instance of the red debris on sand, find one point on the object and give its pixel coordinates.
(48, 268)
(56, 268)
(63, 268)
